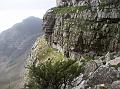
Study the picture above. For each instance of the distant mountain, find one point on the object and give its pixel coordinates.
(15, 44)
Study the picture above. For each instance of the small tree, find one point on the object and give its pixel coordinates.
(53, 75)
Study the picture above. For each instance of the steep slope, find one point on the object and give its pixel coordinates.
(15, 44)
(87, 31)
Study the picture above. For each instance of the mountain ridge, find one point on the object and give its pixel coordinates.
(15, 44)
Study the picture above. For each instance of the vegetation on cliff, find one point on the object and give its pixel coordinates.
(51, 70)
(70, 9)
(54, 75)
(88, 37)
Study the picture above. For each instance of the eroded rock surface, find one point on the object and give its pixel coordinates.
(92, 25)
(87, 27)
(115, 85)
(103, 75)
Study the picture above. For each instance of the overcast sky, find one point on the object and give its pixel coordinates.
(14, 11)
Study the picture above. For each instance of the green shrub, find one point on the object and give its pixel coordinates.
(70, 9)
(53, 75)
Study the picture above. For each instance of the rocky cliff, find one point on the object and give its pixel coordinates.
(86, 27)
(89, 31)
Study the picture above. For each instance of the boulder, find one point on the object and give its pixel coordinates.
(115, 85)
(90, 67)
(103, 75)
(108, 56)
(101, 86)
(115, 61)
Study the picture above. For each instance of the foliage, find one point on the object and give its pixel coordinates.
(48, 52)
(53, 75)
(70, 9)
(42, 52)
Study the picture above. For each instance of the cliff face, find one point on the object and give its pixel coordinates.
(83, 26)
(88, 27)
(84, 2)
(87, 30)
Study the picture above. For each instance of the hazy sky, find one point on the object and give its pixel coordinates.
(14, 11)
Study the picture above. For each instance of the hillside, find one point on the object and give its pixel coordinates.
(15, 44)
(81, 47)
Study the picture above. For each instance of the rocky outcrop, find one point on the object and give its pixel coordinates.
(103, 75)
(48, 25)
(90, 67)
(91, 26)
(84, 2)
(115, 61)
(115, 85)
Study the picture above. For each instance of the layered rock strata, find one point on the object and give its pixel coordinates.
(89, 26)
(92, 28)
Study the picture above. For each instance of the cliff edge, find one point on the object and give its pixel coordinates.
(87, 31)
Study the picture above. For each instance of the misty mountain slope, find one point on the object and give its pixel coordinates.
(15, 44)
(13, 37)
